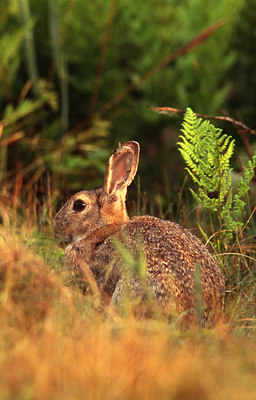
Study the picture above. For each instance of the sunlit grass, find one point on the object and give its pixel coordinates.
(57, 343)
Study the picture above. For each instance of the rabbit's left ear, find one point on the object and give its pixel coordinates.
(122, 167)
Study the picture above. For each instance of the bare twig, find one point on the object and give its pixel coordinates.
(168, 110)
(11, 139)
(202, 37)
(245, 139)
(241, 128)
(237, 254)
(199, 39)
(24, 91)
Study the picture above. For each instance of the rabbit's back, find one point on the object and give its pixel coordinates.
(178, 266)
(174, 260)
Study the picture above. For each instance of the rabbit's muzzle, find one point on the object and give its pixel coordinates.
(64, 239)
(63, 229)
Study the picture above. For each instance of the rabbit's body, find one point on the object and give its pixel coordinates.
(175, 260)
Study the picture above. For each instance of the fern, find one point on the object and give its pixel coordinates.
(47, 96)
(207, 153)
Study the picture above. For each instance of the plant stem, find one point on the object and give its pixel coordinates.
(98, 78)
(61, 63)
(30, 48)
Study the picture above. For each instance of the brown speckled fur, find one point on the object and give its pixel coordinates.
(171, 252)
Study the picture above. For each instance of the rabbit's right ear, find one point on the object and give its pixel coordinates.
(122, 167)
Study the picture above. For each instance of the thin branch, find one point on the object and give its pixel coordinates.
(236, 254)
(168, 110)
(24, 91)
(199, 39)
(10, 139)
(245, 139)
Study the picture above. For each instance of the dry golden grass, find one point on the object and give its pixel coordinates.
(57, 344)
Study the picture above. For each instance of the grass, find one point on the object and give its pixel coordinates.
(58, 344)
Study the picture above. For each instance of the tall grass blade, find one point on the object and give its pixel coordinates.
(30, 48)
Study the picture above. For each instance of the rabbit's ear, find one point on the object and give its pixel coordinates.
(122, 167)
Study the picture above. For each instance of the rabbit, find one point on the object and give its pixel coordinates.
(99, 236)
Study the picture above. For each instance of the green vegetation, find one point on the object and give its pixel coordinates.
(76, 78)
(207, 153)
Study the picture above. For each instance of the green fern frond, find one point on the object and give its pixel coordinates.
(207, 153)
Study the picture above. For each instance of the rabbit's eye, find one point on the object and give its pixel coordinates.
(79, 205)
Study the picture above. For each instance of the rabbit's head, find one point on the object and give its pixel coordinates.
(89, 210)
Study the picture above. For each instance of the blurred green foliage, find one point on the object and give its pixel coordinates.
(89, 63)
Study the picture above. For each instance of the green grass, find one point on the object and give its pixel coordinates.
(57, 343)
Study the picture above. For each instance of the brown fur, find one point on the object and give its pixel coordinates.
(101, 236)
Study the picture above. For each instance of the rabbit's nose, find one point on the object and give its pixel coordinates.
(63, 239)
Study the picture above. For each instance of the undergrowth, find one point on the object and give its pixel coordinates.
(55, 342)
(207, 152)
(58, 343)
(225, 197)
